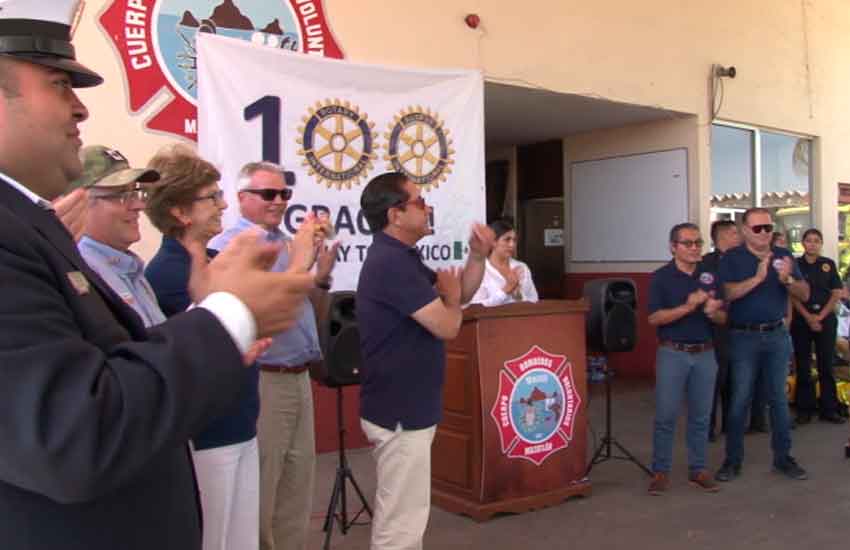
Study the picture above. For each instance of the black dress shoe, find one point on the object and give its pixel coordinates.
(833, 418)
(728, 472)
(790, 468)
(803, 418)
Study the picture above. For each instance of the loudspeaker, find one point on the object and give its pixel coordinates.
(611, 321)
(339, 338)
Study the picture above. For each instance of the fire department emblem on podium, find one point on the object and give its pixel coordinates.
(536, 406)
(155, 40)
(418, 145)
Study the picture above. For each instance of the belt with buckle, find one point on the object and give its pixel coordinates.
(698, 347)
(757, 327)
(284, 369)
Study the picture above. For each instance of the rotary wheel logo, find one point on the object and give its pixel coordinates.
(418, 145)
(337, 143)
(537, 405)
(155, 40)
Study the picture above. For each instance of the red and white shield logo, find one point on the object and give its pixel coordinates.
(156, 42)
(536, 406)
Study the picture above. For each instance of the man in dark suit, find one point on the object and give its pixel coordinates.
(96, 410)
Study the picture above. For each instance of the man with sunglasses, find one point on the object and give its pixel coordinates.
(758, 280)
(405, 312)
(684, 303)
(285, 426)
(117, 195)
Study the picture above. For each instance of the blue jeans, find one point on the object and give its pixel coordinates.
(682, 376)
(749, 352)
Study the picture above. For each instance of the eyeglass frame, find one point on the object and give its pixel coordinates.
(285, 194)
(215, 196)
(688, 243)
(418, 201)
(123, 197)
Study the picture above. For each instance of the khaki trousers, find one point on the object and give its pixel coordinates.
(287, 460)
(403, 493)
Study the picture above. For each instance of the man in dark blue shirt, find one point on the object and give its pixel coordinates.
(684, 301)
(757, 280)
(405, 311)
(724, 235)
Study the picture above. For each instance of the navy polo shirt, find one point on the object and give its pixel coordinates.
(403, 363)
(669, 288)
(768, 301)
(822, 277)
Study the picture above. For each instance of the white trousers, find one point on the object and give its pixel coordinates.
(403, 493)
(229, 483)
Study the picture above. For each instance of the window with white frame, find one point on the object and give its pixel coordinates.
(755, 167)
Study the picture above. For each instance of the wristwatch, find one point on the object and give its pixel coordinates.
(326, 284)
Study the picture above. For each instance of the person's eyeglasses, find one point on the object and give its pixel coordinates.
(419, 202)
(125, 197)
(215, 196)
(691, 244)
(762, 228)
(269, 194)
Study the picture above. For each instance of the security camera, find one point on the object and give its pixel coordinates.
(725, 71)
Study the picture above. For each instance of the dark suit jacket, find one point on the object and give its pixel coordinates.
(96, 410)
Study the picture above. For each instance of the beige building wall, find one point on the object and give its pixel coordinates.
(791, 57)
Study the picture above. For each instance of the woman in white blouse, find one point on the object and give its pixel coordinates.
(506, 280)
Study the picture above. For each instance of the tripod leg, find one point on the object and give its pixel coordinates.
(596, 455)
(329, 517)
(359, 493)
(632, 458)
(343, 520)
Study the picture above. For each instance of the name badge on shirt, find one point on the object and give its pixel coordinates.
(79, 282)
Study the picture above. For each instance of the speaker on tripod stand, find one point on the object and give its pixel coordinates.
(611, 327)
(340, 341)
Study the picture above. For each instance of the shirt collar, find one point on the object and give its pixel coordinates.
(123, 263)
(34, 197)
(274, 235)
(383, 238)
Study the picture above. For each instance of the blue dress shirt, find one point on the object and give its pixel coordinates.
(300, 344)
(124, 273)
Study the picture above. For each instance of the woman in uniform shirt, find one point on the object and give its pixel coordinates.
(815, 323)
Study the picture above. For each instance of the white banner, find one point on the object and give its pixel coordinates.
(338, 124)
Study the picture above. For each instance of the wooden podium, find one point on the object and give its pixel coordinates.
(513, 435)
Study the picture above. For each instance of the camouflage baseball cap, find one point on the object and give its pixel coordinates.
(105, 167)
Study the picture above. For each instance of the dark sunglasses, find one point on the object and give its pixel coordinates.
(269, 194)
(762, 228)
(419, 202)
(691, 244)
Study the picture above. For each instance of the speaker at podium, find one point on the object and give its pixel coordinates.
(611, 321)
(339, 338)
